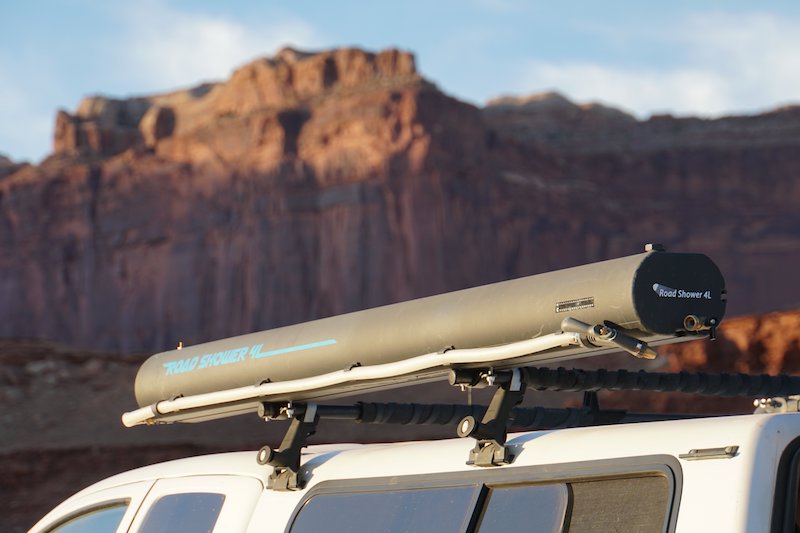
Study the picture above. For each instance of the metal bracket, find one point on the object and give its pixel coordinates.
(608, 335)
(285, 461)
(491, 432)
(778, 404)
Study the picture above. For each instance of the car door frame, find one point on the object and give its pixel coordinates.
(135, 493)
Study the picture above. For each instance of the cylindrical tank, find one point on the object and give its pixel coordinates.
(649, 295)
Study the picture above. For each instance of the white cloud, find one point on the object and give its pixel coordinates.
(726, 63)
(756, 52)
(166, 48)
(640, 91)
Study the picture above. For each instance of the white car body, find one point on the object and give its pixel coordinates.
(752, 488)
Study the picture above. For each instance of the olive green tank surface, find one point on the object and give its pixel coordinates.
(652, 296)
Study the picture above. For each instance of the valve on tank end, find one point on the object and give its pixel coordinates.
(606, 335)
(693, 323)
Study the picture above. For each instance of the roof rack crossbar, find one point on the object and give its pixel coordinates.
(415, 413)
(710, 384)
(528, 418)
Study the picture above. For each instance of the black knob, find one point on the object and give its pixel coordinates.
(467, 426)
(265, 455)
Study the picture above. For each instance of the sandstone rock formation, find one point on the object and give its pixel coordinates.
(310, 184)
(8, 167)
(257, 92)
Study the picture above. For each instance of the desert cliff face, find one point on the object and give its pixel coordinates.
(302, 187)
(313, 184)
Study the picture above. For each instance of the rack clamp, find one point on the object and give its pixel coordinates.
(777, 404)
(285, 461)
(491, 432)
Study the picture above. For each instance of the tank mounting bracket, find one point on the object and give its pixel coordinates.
(491, 432)
(285, 461)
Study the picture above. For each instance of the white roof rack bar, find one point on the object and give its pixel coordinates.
(152, 413)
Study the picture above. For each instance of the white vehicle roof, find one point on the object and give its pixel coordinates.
(704, 483)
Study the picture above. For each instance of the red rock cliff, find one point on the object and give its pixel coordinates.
(313, 184)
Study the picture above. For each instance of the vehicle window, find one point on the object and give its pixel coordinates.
(101, 519)
(532, 508)
(639, 504)
(636, 505)
(435, 510)
(194, 512)
(578, 507)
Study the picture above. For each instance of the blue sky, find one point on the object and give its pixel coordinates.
(682, 57)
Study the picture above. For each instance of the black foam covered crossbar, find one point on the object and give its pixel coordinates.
(734, 384)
